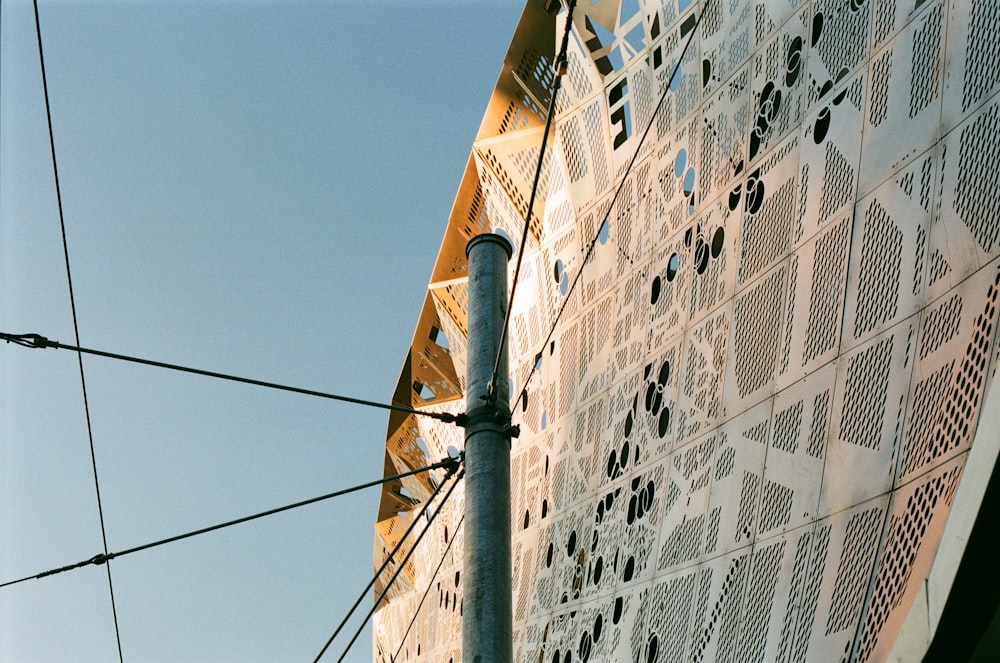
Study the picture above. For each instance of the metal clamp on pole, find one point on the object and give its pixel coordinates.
(492, 418)
(487, 623)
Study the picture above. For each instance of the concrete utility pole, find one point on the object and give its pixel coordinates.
(487, 624)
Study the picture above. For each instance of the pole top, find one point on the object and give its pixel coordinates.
(490, 237)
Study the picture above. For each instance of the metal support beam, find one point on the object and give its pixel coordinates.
(487, 629)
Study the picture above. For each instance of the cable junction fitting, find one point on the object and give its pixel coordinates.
(493, 416)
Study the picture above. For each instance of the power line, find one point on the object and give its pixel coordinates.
(430, 584)
(450, 463)
(614, 199)
(560, 70)
(388, 559)
(395, 575)
(38, 341)
(401, 566)
(76, 329)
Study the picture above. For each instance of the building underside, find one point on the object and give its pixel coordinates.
(757, 341)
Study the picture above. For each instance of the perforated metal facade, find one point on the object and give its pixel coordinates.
(744, 437)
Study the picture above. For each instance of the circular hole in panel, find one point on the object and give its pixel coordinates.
(680, 162)
(718, 241)
(672, 266)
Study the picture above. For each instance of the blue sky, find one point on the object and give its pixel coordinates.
(256, 188)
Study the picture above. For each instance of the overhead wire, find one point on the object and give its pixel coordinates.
(388, 559)
(621, 185)
(402, 565)
(450, 463)
(39, 341)
(76, 328)
(430, 584)
(34, 340)
(399, 569)
(560, 69)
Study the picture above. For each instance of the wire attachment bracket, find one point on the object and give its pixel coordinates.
(491, 414)
(28, 340)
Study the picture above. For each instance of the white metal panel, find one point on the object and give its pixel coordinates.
(741, 441)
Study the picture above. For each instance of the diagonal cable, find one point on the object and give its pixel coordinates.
(39, 341)
(395, 575)
(76, 329)
(614, 199)
(450, 463)
(389, 558)
(560, 70)
(402, 565)
(430, 584)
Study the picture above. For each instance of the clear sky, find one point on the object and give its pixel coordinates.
(257, 188)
